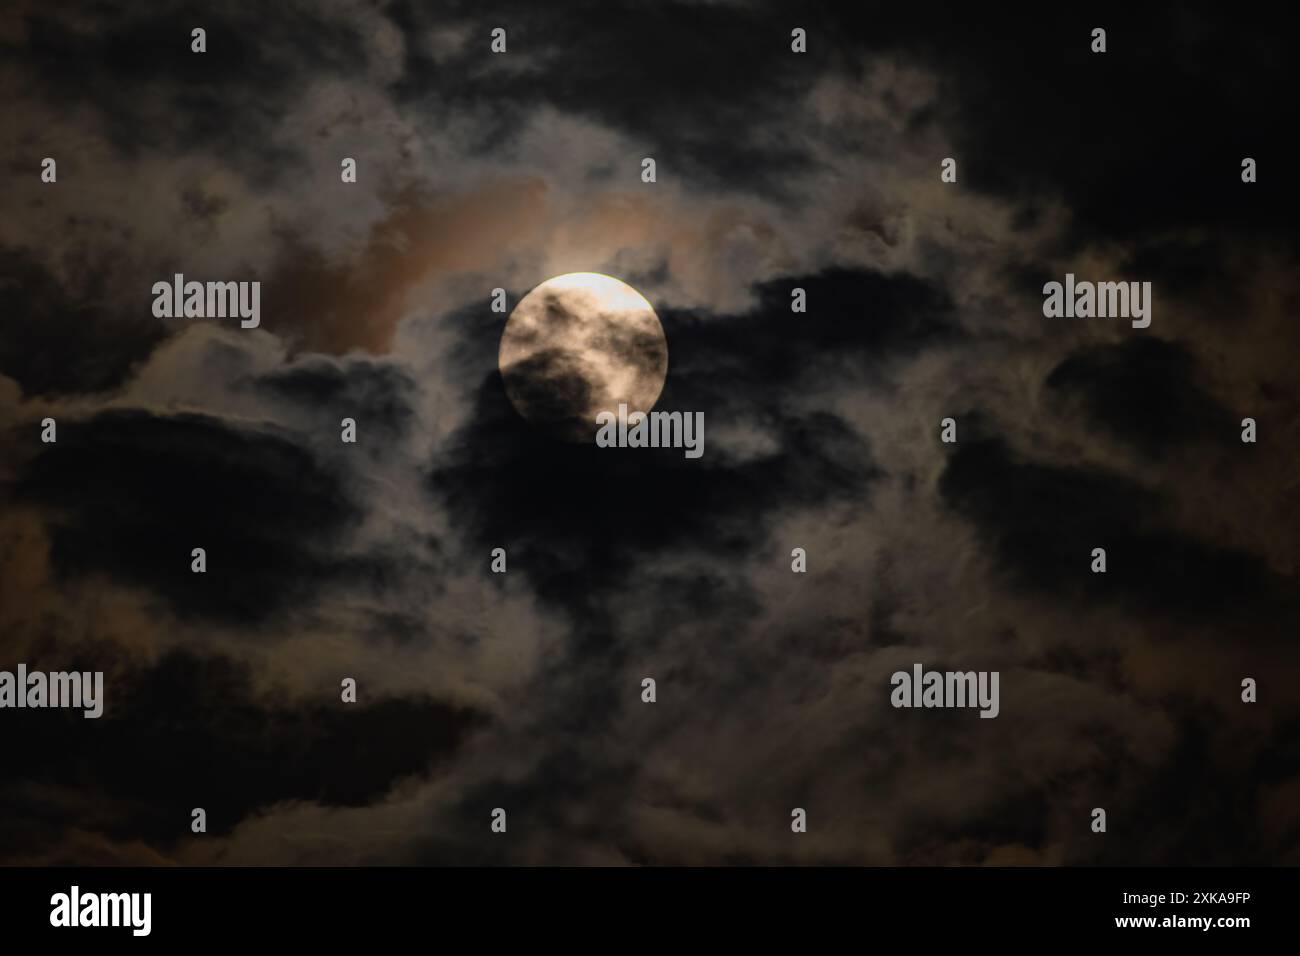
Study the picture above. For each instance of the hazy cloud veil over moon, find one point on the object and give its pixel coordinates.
(580, 344)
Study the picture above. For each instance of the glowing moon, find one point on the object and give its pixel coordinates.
(580, 344)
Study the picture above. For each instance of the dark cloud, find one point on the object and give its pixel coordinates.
(856, 323)
(1144, 391)
(59, 341)
(132, 493)
(551, 388)
(221, 745)
(1043, 522)
(532, 806)
(1019, 818)
(576, 517)
(378, 395)
(137, 72)
(1199, 807)
(693, 81)
(1035, 114)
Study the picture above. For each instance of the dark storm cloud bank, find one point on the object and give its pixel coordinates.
(191, 731)
(1043, 521)
(131, 494)
(54, 340)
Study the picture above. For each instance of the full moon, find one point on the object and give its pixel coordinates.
(580, 344)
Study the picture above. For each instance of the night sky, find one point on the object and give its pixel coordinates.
(522, 690)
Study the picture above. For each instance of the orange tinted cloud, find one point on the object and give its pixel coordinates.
(336, 307)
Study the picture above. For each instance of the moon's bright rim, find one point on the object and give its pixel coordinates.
(577, 345)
